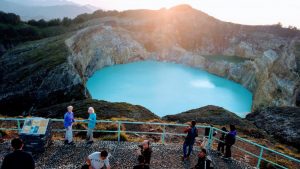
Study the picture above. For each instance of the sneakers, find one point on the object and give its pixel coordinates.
(66, 142)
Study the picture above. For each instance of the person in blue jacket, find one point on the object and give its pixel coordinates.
(68, 121)
(91, 125)
(192, 133)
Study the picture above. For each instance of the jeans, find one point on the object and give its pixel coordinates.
(89, 134)
(69, 134)
(185, 145)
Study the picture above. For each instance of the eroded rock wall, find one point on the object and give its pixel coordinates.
(269, 71)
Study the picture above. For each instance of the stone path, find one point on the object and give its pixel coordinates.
(124, 155)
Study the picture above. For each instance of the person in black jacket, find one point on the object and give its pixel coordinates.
(229, 141)
(18, 159)
(221, 143)
(141, 164)
(146, 151)
(203, 162)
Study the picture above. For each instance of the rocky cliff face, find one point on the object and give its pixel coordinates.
(269, 68)
(281, 122)
(55, 70)
(37, 74)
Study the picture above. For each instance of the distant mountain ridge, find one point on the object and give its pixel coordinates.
(27, 12)
(42, 2)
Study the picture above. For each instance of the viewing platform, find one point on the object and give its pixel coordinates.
(123, 155)
(166, 145)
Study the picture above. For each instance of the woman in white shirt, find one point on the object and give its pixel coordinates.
(98, 160)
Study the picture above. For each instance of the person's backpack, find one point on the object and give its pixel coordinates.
(193, 133)
(230, 139)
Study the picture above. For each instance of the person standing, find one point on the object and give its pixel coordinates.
(68, 121)
(229, 141)
(221, 143)
(18, 159)
(91, 125)
(189, 141)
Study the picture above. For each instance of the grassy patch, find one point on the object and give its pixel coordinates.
(123, 137)
(48, 54)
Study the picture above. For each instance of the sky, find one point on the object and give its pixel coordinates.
(251, 12)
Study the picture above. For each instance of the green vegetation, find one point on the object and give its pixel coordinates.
(47, 54)
(13, 31)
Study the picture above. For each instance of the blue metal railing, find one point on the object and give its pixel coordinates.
(211, 137)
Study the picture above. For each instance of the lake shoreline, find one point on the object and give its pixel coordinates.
(167, 88)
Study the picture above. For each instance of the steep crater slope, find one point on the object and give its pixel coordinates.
(269, 68)
(55, 70)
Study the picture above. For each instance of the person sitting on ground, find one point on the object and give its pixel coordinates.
(91, 125)
(141, 164)
(146, 151)
(18, 159)
(221, 143)
(189, 141)
(68, 121)
(98, 160)
(203, 161)
(229, 141)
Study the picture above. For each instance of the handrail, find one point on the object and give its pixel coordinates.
(164, 133)
(263, 147)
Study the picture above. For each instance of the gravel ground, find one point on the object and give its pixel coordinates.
(124, 155)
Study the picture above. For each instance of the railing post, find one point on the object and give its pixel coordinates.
(163, 135)
(18, 123)
(119, 131)
(260, 157)
(210, 137)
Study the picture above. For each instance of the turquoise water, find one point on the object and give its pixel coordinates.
(168, 88)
